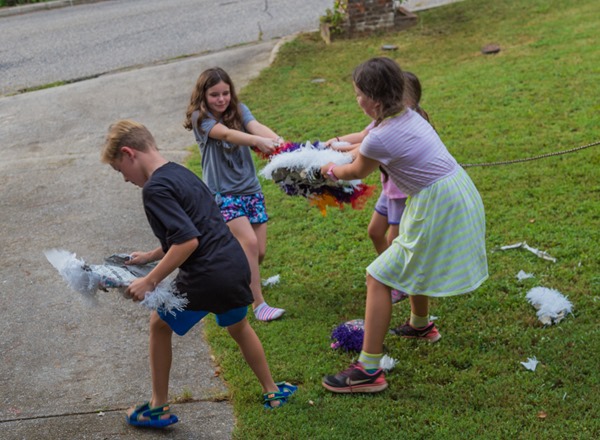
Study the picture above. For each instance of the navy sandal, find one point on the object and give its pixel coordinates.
(152, 416)
(285, 391)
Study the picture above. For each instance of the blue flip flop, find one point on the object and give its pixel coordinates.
(285, 391)
(152, 416)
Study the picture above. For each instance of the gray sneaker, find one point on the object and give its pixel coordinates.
(356, 380)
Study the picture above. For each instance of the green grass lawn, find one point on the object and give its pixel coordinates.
(538, 95)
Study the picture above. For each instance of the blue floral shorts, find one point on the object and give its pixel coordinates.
(251, 206)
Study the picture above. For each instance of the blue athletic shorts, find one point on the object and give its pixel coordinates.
(251, 206)
(390, 208)
(182, 322)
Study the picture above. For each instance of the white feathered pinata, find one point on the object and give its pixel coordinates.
(87, 279)
(296, 169)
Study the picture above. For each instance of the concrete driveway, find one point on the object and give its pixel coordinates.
(69, 370)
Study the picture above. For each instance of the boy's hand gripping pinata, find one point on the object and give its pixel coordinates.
(87, 279)
(296, 169)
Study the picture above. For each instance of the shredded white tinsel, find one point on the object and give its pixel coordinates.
(163, 299)
(72, 270)
(522, 275)
(552, 306)
(387, 363)
(87, 279)
(271, 281)
(531, 363)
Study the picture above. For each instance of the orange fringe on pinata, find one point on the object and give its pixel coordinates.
(358, 199)
(322, 201)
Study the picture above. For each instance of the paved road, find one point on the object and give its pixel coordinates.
(90, 39)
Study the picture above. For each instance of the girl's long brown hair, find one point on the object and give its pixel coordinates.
(381, 80)
(412, 94)
(207, 79)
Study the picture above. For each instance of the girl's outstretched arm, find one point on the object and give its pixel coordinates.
(360, 168)
(346, 148)
(259, 129)
(352, 138)
(263, 143)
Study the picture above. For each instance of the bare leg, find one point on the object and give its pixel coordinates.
(246, 235)
(376, 230)
(419, 305)
(161, 354)
(393, 232)
(260, 230)
(377, 315)
(253, 353)
(160, 361)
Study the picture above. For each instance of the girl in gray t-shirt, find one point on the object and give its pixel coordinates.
(225, 130)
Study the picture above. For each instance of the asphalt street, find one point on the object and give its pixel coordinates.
(73, 43)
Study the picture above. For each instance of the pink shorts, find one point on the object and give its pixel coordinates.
(390, 208)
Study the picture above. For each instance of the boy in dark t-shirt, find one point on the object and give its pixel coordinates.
(213, 270)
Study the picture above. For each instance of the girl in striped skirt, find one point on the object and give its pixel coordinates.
(440, 249)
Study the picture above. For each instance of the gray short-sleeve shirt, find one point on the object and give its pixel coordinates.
(226, 168)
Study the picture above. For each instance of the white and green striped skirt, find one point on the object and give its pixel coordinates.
(440, 249)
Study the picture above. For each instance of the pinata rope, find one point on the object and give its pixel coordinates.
(528, 159)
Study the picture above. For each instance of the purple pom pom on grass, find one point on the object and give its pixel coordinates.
(349, 336)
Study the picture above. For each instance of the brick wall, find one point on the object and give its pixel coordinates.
(368, 16)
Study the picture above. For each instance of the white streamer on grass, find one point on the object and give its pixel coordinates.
(531, 363)
(522, 275)
(271, 281)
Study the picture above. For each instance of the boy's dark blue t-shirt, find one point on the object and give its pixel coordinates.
(180, 207)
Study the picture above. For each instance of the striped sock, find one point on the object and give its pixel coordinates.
(418, 321)
(369, 361)
(264, 312)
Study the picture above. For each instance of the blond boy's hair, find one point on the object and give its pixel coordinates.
(126, 133)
